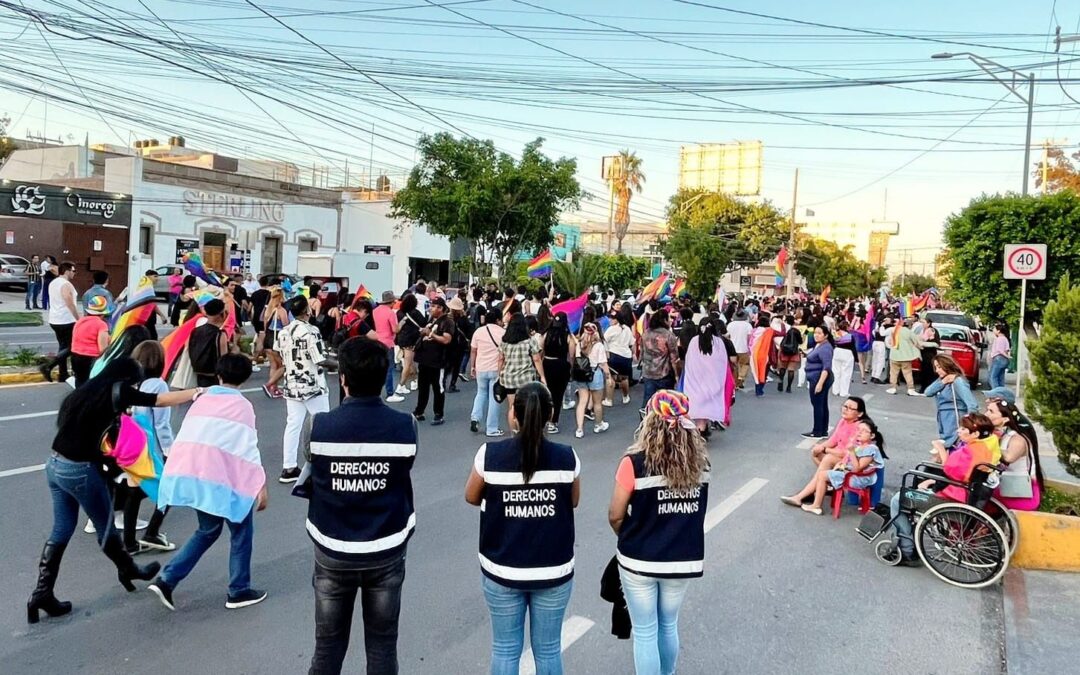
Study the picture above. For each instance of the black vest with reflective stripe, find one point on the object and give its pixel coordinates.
(361, 506)
(663, 534)
(527, 530)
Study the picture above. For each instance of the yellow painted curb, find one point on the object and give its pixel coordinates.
(21, 378)
(1048, 541)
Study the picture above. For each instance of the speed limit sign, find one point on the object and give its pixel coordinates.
(1025, 261)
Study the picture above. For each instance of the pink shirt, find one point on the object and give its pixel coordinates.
(487, 347)
(843, 434)
(1000, 347)
(385, 322)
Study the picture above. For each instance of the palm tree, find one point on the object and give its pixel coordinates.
(577, 276)
(626, 179)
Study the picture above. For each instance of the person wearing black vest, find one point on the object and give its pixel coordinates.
(360, 516)
(658, 512)
(527, 488)
(208, 343)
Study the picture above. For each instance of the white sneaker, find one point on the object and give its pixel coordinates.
(396, 398)
(89, 529)
(401, 390)
(552, 429)
(912, 392)
(568, 405)
(412, 385)
(255, 368)
(599, 428)
(890, 390)
(607, 403)
(578, 433)
(625, 400)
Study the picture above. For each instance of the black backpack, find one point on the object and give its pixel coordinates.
(789, 346)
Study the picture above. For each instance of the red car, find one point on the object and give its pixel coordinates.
(960, 343)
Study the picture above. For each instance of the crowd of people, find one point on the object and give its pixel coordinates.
(540, 354)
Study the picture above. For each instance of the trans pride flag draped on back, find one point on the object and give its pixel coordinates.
(214, 464)
(574, 310)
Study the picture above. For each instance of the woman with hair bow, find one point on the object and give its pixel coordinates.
(658, 512)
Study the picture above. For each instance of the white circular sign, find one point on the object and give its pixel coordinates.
(1025, 261)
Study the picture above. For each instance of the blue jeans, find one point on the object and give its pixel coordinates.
(905, 533)
(75, 484)
(485, 399)
(653, 386)
(32, 290)
(998, 366)
(820, 402)
(241, 535)
(654, 612)
(546, 608)
(390, 374)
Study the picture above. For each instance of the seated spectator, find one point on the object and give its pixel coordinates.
(865, 452)
(1020, 453)
(834, 447)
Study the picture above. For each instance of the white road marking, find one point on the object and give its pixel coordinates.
(47, 413)
(12, 418)
(733, 501)
(572, 630)
(806, 444)
(21, 470)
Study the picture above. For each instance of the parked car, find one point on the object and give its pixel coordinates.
(14, 271)
(954, 318)
(958, 342)
(161, 286)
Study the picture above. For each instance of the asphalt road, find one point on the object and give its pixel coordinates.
(783, 591)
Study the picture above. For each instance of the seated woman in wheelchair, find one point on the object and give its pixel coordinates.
(866, 452)
(973, 448)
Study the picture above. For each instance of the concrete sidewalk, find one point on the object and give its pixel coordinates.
(1042, 621)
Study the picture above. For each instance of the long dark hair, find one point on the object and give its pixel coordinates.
(1016, 421)
(875, 433)
(706, 335)
(532, 410)
(516, 330)
(83, 407)
(557, 337)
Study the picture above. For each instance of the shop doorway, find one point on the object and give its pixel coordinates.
(213, 250)
(97, 247)
(271, 255)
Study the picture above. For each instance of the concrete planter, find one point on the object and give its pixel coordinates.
(1048, 541)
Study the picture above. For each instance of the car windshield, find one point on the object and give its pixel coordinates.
(960, 319)
(952, 333)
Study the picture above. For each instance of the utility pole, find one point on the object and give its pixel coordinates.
(791, 238)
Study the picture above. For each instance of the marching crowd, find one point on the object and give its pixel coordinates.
(349, 442)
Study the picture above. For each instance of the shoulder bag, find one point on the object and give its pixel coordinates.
(1015, 485)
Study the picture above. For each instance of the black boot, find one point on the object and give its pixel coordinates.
(42, 598)
(790, 379)
(126, 568)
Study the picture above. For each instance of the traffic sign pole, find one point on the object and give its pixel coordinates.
(1020, 339)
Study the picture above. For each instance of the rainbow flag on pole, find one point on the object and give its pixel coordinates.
(655, 288)
(678, 288)
(781, 266)
(541, 265)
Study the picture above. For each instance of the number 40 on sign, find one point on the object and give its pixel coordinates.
(1025, 261)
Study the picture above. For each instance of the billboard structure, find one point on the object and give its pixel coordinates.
(734, 168)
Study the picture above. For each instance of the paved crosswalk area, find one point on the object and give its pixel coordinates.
(783, 591)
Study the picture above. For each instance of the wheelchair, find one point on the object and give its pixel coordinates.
(966, 544)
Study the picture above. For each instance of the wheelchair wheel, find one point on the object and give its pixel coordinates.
(888, 552)
(962, 545)
(1006, 520)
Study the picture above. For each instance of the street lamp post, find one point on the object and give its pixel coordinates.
(992, 68)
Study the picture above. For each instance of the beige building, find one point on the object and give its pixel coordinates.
(641, 240)
(855, 235)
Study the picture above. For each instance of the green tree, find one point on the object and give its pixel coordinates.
(577, 276)
(466, 188)
(822, 263)
(975, 239)
(626, 179)
(710, 233)
(912, 283)
(1055, 388)
(7, 146)
(620, 272)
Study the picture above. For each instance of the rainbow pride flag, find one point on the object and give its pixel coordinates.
(574, 310)
(678, 288)
(137, 310)
(641, 324)
(655, 289)
(135, 450)
(781, 263)
(362, 293)
(825, 294)
(910, 306)
(193, 263)
(759, 355)
(541, 265)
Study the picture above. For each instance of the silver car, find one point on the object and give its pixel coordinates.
(14, 270)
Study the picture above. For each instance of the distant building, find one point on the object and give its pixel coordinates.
(853, 235)
(642, 240)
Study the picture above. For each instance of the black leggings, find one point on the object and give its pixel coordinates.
(557, 374)
(131, 516)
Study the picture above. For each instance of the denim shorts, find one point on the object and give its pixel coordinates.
(596, 383)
